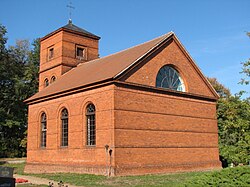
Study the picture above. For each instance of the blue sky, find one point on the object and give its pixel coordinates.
(213, 31)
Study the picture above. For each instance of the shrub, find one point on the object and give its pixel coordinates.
(238, 176)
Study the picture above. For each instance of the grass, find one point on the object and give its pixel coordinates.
(97, 180)
(18, 167)
(137, 181)
(12, 159)
(238, 176)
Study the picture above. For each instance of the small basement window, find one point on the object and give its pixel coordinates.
(80, 53)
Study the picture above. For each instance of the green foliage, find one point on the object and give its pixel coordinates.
(220, 88)
(234, 129)
(233, 114)
(246, 71)
(3, 40)
(238, 176)
(234, 123)
(18, 81)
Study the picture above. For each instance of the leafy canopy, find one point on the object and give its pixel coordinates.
(233, 114)
(18, 81)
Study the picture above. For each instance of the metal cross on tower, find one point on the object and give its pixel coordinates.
(70, 11)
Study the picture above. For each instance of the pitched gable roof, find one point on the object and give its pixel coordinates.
(101, 69)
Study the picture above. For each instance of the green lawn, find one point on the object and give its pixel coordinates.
(18, 168)
(238, 176)
(146, 180)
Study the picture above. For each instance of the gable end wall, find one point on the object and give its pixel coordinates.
(174, 56)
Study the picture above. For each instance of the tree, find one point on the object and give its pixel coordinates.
(18, 81)
(3, 41)
(31, 75)
(12, 108)
(219, 88)
(32, 68)
(234, 129)
(233, 114)
(246, 71)
(3, 82)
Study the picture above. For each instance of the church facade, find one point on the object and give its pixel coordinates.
(147, 109)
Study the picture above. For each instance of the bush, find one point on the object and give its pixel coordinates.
(238, 176)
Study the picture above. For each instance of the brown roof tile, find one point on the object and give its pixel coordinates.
(101, 69)
(70, 27)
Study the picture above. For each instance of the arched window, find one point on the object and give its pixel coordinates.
(53, 78)
(169, 78)
(46, 82)
(64, 123)
(43, 129)
(90, 117)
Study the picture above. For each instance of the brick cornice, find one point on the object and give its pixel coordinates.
(163, 91)
(56, 65)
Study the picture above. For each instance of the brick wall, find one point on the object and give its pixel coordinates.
(156, 133)
(77, 153)
(64, 44)
(69, 43)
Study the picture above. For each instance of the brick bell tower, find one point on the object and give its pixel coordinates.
(63, 50)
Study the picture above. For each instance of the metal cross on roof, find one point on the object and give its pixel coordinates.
(70, 10)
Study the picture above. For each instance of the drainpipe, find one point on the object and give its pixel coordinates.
(110, 161)
(107, 159)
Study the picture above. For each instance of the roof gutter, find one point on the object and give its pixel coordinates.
(68, 92)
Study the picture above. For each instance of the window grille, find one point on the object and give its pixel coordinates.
(91, 128)
(43, 130)
(64, 123)
(169, 78)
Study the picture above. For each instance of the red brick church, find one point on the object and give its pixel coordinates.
(146, 109)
